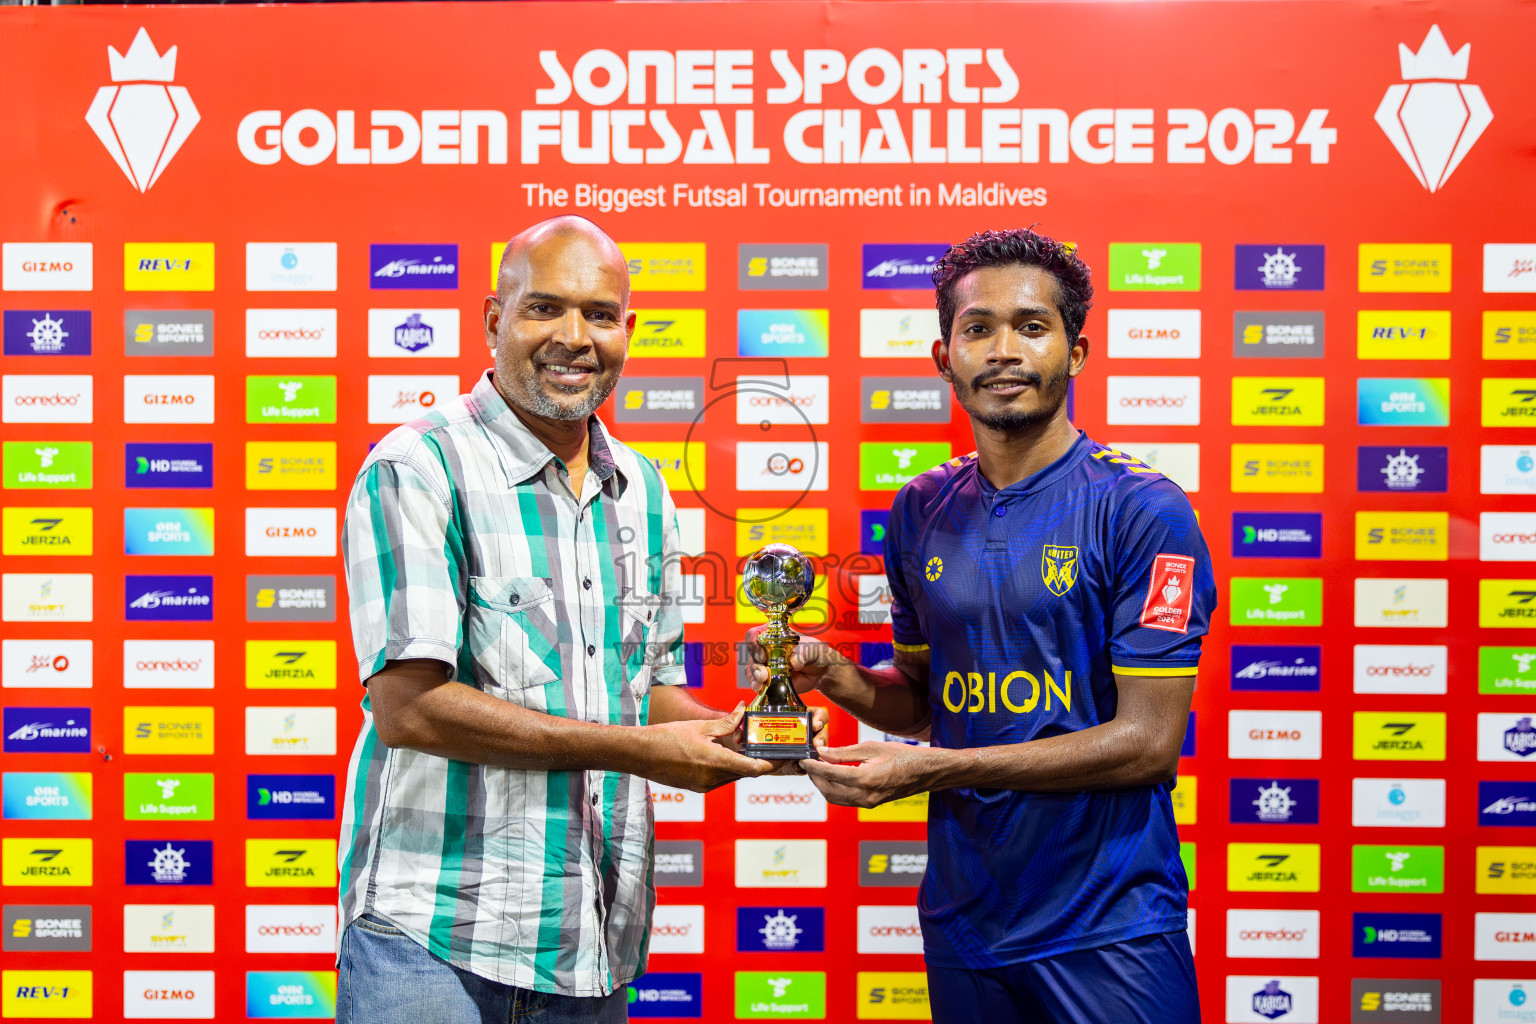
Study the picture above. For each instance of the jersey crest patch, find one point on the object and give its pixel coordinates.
(1058, 568)
(1170, 594)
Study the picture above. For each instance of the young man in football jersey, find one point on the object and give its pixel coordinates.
(1049, 596)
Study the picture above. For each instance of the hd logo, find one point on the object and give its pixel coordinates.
(674, 333)
(1399, 736)
(290, 862)
(1273, 867)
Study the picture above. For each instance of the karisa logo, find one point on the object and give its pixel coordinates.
(1430, 119)
(142, 119)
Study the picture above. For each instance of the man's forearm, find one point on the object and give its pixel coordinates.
(678, 704)
(1113, 755)
(885, 698)
(456, 721)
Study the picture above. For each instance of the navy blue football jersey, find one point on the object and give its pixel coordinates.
(1030, 599)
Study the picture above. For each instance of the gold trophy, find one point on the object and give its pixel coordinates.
(778, 580)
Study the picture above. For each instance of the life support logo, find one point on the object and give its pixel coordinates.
(1431, 120)
(142, 118)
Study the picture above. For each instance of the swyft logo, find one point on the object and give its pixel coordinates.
(142, 118)
(1431, 119)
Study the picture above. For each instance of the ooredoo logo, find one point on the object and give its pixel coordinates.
(1273, 933)
(300, 333)
(1153, 400)
(1400, 668)
(779, 798)
(46, 398)
(168, 664)
(296, 928)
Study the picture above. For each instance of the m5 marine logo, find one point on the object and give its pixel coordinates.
(1431, 121)
(143, 119)
(33, 730)
(1270, 667)
(900, 266)
(1505, 804)
(413, 266)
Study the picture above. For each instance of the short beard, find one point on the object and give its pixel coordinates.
(1053, 393)
(528, 388)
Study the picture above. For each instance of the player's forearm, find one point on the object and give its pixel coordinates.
(456, 721)
(1114, 755)
(889, 699)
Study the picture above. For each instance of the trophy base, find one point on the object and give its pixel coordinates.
(778, 735)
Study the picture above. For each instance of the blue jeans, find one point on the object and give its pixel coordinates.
(385, 976)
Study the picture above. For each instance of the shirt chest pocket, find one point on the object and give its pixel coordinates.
(514, 636)
(637, 616)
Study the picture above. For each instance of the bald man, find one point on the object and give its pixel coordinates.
(513, 573)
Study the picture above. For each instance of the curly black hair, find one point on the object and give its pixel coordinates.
(1017, 247)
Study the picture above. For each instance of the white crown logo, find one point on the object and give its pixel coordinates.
(142, 63)
(1434, 59)
(144, 120)
(1433, 122)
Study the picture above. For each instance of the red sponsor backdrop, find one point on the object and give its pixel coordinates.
(1126, 94)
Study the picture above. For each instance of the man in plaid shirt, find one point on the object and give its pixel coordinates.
(514, 579)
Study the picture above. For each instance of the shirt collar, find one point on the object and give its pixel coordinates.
(528, 455)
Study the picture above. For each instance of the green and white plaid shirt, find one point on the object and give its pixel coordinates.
(464, 544)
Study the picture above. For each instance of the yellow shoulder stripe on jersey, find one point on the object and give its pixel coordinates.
(910, 648)
(1184, 670)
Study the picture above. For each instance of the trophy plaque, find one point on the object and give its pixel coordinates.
(778, 580)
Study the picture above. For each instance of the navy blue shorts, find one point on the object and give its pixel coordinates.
(1150, 980)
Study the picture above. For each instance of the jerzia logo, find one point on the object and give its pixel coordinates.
(142, 119)
(1431, 120)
